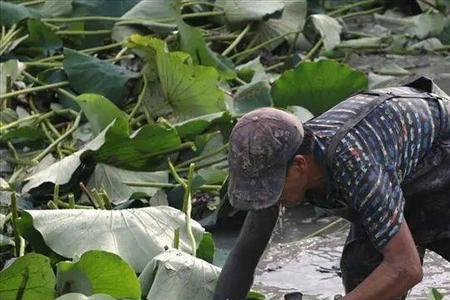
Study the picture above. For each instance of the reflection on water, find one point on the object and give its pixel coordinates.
(309, 266)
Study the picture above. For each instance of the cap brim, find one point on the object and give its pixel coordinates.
(249, 193)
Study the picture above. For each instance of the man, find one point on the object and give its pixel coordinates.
(380, 159)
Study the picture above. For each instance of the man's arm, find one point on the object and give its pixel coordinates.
(399, 271)
(236, 277)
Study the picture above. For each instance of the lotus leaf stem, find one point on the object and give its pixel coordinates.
(119, 19)
(22, 246)
(58, 140)
(237, 40)
(364, 12)
(98, 199)
(84, 32)
(187, 207)
(319, 231)
(104, 195)
(88, 194)
(32, 2)
(314, 49)
(56, 194)
(88, 51)
(59, 90)
(14, 217)
(52, 205)
(189, 3)
(202, 157)
(169, 185)
(140, 98)
(198, 167)
(262, 45)
(25, 119)
(350, 6)
(275, 66)
(176, 239)
(71, 197)
(34, 89)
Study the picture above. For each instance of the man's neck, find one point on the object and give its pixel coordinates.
(316, 175)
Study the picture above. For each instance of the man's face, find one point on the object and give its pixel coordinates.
(295, 183)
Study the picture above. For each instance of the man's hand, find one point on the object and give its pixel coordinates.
(399, 271)
(236, 277)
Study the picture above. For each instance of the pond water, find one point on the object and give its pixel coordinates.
(310, 266)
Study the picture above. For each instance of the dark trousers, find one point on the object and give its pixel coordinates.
(427, 212)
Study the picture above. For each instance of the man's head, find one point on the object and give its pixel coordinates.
(266, 160)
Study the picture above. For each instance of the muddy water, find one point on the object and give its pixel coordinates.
(310, 266)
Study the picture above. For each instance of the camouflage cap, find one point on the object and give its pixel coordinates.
(261, 144)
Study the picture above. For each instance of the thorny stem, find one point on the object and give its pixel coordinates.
(237, 40)
(60, 64)
(58, 140)
(350, 6)
(98, 199)
(262, 45)
(202, 157)
(15, 215)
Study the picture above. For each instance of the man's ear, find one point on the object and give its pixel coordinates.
(300, 162)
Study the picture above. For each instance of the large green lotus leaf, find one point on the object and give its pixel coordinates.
(30, 275)
(317, 86)
(149, 12)
(252, 71)
(421, 26)
(112, 178)
(326, 27)
(300, 112)
(138, 151)
(242, 12)
(190, 90)
(99, 111)
(11, 68)
(56, 8)
(292, 19)
(115, 8)
(192, 42)
(14, 13)
(78, 296)
(206, 248)
(252, 96)
(61, 172)
(98, 272)
(41, 41)
(32, 137)
(195, 126)
(175, 275)
(88, 74)
(136, 235)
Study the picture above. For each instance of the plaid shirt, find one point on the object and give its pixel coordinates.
(377, 155)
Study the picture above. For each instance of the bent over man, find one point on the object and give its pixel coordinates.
(380, 159)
